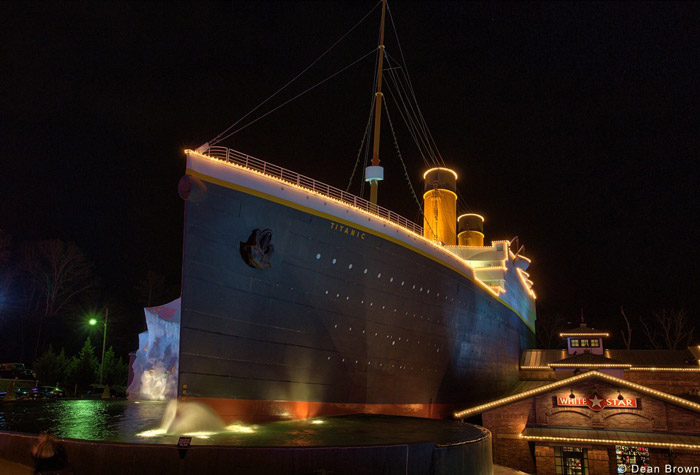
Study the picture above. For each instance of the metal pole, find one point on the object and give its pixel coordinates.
(374, 184)
(104, 342)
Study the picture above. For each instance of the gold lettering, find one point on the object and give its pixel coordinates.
(347, 230)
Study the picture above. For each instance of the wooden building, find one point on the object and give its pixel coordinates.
(588, 411)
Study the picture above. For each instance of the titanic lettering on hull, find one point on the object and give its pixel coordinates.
(347, 230)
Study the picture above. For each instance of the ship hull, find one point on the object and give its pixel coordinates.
(348, 318)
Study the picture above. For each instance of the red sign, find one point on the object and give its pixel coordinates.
(596, 403)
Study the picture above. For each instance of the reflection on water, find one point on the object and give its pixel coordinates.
(143, 421)
(81, 419)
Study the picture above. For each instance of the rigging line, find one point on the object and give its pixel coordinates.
(415, 120)
(362, 146)
(296, 97)
(408, 120)
(398, 152)
(421, 126)
(429, 149)
(426, 131)
(403, 61)
(409, 126)
(218, 137)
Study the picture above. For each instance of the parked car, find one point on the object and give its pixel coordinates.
(15, 371)
(48, 392)
(20, 394)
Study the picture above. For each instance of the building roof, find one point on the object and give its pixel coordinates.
(608, 437)
(583, 330)
(654, 358)
(638, 359)
(622, 383)
(522, 386)
(540, 358)
(588, 360)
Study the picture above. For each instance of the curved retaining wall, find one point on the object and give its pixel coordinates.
(87, 457)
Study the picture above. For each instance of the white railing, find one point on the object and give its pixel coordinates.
(274, 171)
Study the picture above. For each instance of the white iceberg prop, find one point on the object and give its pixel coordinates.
(156, 363)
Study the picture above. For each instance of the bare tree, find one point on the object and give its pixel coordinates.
(626, 336)
(58, 272)
(548, 328)
(669, 329)
(154, 291)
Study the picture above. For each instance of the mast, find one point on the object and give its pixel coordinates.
(375, 173)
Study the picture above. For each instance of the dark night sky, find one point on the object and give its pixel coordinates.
(575, 126)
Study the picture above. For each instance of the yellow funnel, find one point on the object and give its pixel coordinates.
(440, 206)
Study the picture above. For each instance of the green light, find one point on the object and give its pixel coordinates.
(93, 321)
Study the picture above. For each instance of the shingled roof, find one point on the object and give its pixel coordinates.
(541, 359)
(588, 360)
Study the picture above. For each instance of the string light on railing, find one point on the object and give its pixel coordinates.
(364, 206)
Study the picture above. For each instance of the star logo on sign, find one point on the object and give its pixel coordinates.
(595, 402)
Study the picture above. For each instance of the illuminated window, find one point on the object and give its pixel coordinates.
(626, 457)
(570, 461)
(584, 342)
(574, 342)
(595, 342)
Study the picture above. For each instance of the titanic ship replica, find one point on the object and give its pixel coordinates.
(300, 299)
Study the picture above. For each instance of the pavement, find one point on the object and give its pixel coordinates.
(13, 468)
(501, 470)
